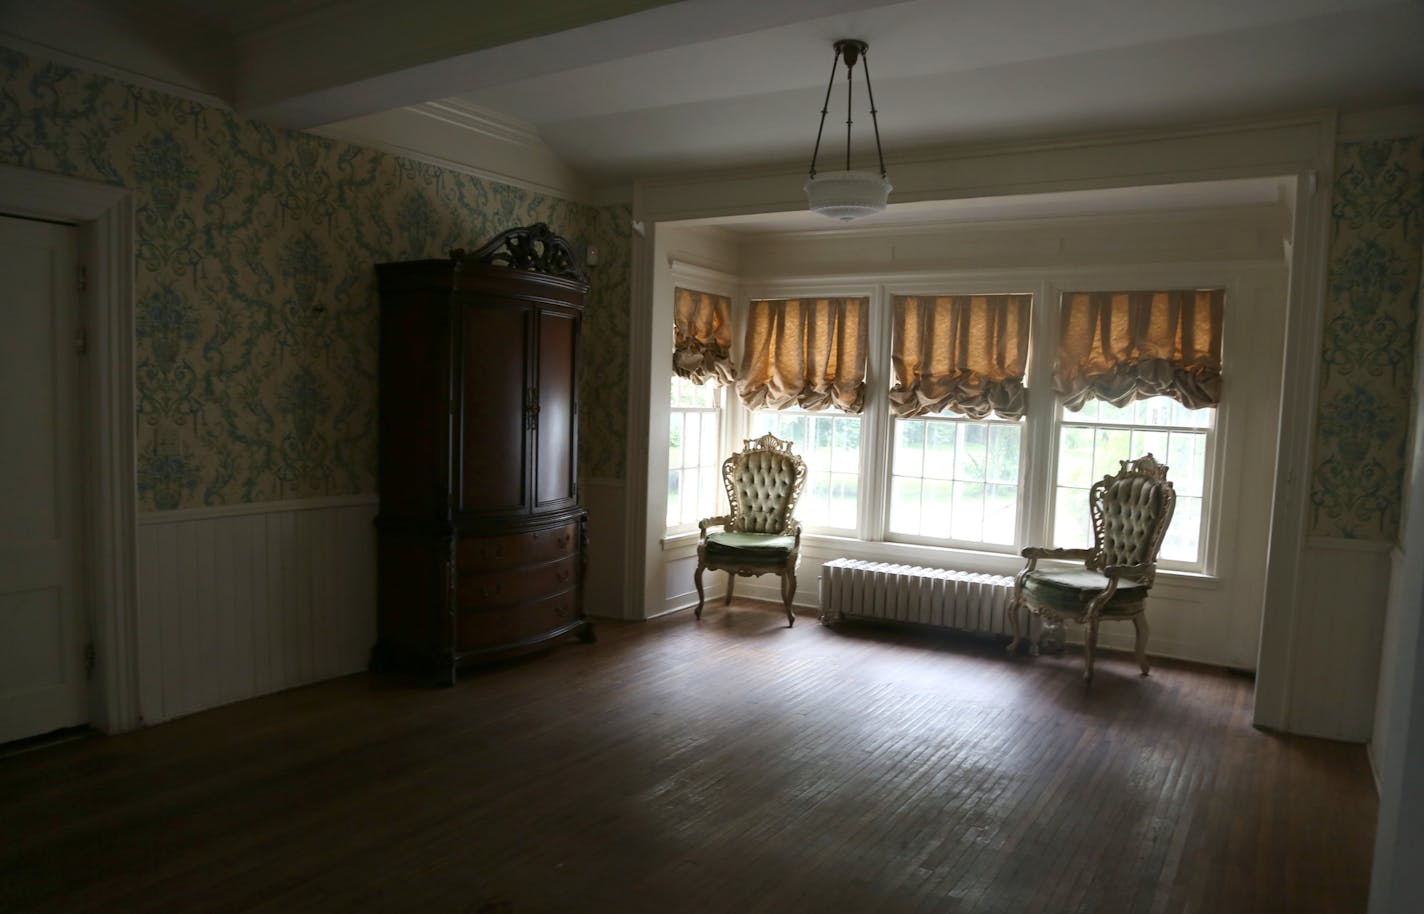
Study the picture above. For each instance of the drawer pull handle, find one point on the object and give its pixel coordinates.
(564, 540)
(565, 575)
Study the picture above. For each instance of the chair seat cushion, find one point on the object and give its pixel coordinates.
(1072, 589)
(768, 547)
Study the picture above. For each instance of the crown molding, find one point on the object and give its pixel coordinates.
(484, 121)
(456, 135)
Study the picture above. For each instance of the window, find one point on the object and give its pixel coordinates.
(935, 446)
(829, 442)
(694, 453)
(955, 479)
(1092, 441)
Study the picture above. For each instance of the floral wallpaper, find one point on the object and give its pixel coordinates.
(1363, 421)
(256, 306)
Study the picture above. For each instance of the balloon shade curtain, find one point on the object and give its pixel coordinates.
(1125, 346)
(702, 337)
(807, 353)
(963, 353)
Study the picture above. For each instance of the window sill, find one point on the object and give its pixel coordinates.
(822, 547)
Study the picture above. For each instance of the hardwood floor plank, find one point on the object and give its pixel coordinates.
(728, 765)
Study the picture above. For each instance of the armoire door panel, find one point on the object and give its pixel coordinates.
(494, 467)
(557, 418)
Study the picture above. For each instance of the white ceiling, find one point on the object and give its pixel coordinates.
(621, 89)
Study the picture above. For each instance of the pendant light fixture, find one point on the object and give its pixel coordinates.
(847, 195)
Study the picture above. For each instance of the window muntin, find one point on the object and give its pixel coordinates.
(1093, 440)
(829, 442)
(694, 453)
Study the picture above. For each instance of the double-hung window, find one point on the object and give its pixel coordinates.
(803, 378)
(701, 370)
(958, 400)
(1138, 373)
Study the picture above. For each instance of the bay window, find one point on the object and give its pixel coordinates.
(929, 439)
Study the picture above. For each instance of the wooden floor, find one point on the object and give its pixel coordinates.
(729, 765)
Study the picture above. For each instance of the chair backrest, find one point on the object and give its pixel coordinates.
(763, 481)
(1131, 512)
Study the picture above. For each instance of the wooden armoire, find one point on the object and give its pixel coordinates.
(481, 543)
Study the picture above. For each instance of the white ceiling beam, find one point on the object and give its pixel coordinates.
(359, 57)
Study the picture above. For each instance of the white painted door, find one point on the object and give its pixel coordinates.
(42, 634)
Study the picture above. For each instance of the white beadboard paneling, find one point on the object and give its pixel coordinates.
(1341, 623)
(241, 601)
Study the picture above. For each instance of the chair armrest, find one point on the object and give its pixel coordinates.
(1143, 570)
(706, 522)
(1043, 552)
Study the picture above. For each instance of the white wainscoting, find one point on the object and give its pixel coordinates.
(242, 601)
(1337, 633)
(605, 591)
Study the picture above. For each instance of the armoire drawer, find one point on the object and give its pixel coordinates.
(512, 624)
(489, 553)
(515, 585)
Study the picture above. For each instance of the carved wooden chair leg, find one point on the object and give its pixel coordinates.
(1013, 610)
(788, 593)
(1090, 647)
(1139, 622)
(731, 584)
(697, 579)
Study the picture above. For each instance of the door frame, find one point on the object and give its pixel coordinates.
(103, 215)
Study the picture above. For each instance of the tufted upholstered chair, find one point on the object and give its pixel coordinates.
(760, 536)
(1131, 512)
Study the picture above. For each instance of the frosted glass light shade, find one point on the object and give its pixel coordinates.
(847, 195)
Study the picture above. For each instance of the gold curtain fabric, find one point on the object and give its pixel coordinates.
(1125, 346)
(702, 337)
(963, 353)
(805, 352)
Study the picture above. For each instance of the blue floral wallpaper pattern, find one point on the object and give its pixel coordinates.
(1363, 418)
(256, 307)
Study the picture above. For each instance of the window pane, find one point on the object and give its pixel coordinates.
(1072, 522)
(970, 451)
(1186, 461)
(692, 438)
(939, 449)
(844, 491)
(1121, 415)
(1112, 445)
(937, 508)
(674, 500)
(1075, 456)
(815, 504)
(1149, 442)
(845, 449)
(1004, 453)
(710, 457)
(905, 505)
(794, 428)
(1001, 508)
(967, 522)
(1183, 537)
(708, 500)
(675, 438)
(909, 447)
